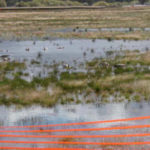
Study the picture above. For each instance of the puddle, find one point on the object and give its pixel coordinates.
(40, 55)
(125, 29)
(11, 116)
(69, 51)
(66, 50)
(65, 30)
(36, 115)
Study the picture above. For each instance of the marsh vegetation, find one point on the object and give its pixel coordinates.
(116, 77)
(102, 74)
(43, 24)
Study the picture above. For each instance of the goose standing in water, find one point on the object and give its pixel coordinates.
(5, 57)
(34, 42)
(45, 48)
(60, 47)
(27, 49)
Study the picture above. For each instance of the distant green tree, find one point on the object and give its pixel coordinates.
(13, 2)
(89, 2)
(3, 3)
(46, 3)
(143, 1)
(56, 2)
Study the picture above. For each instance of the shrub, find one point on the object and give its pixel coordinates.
(101, 3)
(3, 3)
(42, 3)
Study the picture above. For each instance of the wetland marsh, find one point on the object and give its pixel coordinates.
(75, 66)
(74, 71)
(42, 24)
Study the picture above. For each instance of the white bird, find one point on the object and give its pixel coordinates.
(66, 66)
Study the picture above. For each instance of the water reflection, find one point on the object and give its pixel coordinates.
(72, 49)
(37, 115)
(67, 51)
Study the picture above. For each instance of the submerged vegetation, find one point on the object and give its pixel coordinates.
(119, 76)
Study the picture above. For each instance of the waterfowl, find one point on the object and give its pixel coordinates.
(27, 49)
(5, 57)
(45, 48)
(61, 47)
(119, 65)
(66, 66)
(34, 42)
(104, 64)
(84, 54)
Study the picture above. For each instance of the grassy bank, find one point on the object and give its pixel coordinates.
(120, 76)
(41, 24)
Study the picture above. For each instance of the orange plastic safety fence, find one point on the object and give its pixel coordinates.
(75, 130)
(77, 136)
(76, 143)
(80, 123)
(30, 148)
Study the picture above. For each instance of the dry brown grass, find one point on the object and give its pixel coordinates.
(75, 83)
(30, 96)
(140, 87)
(135, 57)
(129, 81)
(31, 23)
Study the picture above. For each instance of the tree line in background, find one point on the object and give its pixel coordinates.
(30, 3)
